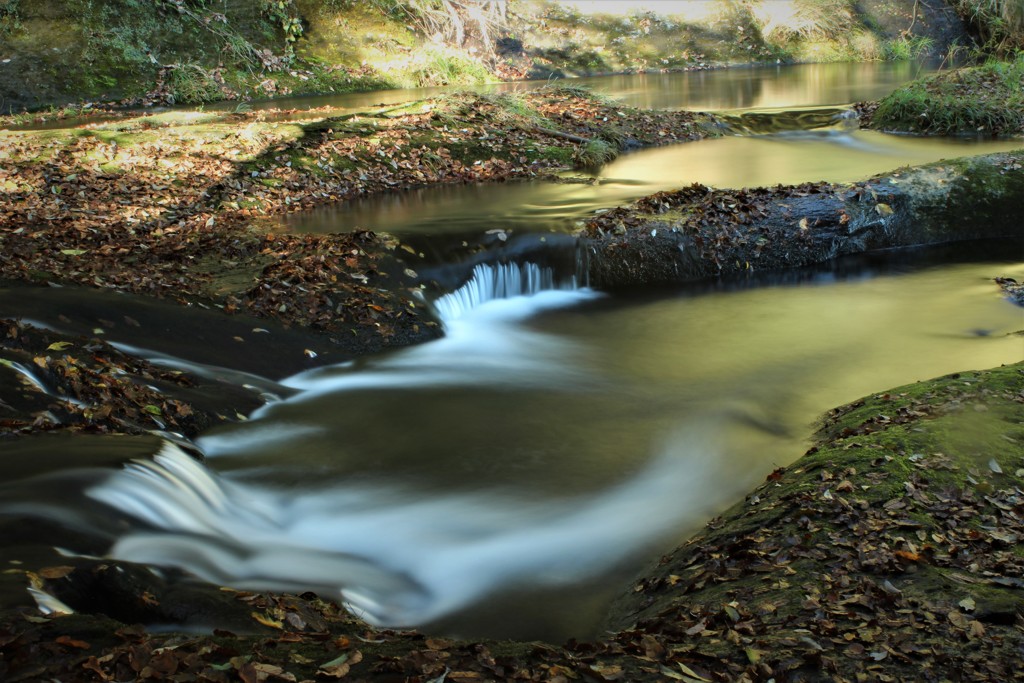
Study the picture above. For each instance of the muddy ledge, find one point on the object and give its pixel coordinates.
(698, 232)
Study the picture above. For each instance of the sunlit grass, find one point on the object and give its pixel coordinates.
(986, 100)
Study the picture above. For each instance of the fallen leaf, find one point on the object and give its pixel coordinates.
(267, 621)
(697, 628)
(68, 641)
(691, 673)
(55, 572)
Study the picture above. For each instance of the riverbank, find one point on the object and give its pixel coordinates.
(178, 206)
(66, 54)
(699, 232)
(979, 101)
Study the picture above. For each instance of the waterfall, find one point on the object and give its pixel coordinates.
(491, 281)
(394, 558)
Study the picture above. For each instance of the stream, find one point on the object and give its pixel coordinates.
(508, 479)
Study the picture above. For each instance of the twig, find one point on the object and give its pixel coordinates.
(560, 134)
(913, 19)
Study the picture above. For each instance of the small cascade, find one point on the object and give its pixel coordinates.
(32, 378)
(771, 122)
(395, 559)
(491, 281)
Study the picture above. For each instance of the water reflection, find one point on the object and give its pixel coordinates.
(760, 86)
(734, 88)
(833, 155)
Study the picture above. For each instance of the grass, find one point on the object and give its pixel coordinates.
(986, 100)
(191, 84)
(811, 19)
(445, 66)
(903, 49)
(507, 109)
(595, 153)
(9, 19)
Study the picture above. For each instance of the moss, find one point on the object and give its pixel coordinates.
(594, 153)
(562, 156)
(929, 439)
(986, 100)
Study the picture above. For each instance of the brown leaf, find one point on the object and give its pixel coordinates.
(908, 556)
(55, 572)
(957, 619)
(68, 641)
(608, 673)
(976, 629)
(438, 643)
(697, 628)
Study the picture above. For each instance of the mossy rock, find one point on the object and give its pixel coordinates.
(895, 536)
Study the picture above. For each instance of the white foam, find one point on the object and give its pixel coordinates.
(490, 282)
(400, 560)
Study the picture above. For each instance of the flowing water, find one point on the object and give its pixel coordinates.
(509, 478)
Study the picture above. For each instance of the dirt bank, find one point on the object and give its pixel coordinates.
(698, 232)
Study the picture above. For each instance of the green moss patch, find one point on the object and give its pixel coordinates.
(890, 549)
(985, 100)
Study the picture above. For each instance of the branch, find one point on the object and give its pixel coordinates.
(560, 134)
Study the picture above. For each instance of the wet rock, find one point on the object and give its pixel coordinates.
(699, 232)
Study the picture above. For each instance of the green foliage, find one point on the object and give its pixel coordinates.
(192, 84)
(9, 19)
(985, 100)
(439, 65)
(998, 24)
(594, 153)
(284, 13)
(188, 49)
(913, 47)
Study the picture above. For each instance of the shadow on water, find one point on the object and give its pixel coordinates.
(236, 345)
